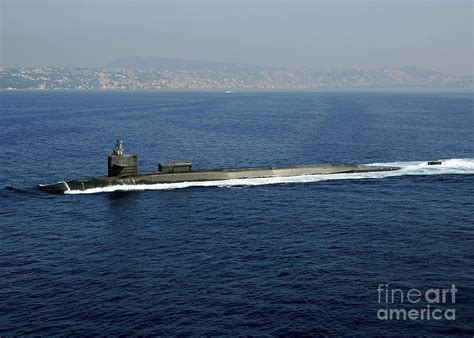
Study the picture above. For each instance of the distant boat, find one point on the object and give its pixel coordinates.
(228, 92)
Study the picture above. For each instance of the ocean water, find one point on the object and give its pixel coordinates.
(302, 255)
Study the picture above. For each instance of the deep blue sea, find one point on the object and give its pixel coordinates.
(300, 256)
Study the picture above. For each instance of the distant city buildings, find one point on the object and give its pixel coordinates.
(63, 78)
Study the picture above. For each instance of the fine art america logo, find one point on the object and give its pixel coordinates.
(416, 304)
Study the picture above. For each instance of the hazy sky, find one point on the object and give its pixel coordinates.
(370, 34)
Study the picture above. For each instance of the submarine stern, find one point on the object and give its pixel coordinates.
(56, 188)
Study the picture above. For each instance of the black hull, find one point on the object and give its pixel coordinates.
(210, 175)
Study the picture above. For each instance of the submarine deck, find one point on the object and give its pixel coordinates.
(212, 175)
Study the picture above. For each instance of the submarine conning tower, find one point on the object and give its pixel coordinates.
(122, 165)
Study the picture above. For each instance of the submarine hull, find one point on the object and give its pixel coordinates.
(210, 175)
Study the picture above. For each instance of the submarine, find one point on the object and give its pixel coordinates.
(122, 170)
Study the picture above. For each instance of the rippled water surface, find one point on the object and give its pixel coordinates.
(301, 255)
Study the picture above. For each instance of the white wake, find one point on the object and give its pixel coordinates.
(449, 166)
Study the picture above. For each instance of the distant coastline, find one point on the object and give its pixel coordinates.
(169, 74)
(235, 91)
